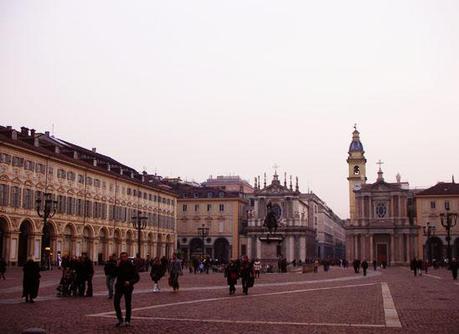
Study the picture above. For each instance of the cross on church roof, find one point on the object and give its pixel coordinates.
(355, 126)
(380, 163)
(276, 166)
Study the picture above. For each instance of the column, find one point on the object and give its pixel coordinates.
(392, 249)
(258, 253)
(371, 248)
(249, 247)
(408, 247)
(302, 248)
(356, 247)
(290, 250)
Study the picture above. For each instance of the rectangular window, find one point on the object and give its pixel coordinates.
(184, 207)
(70, 206)
(79, 207)
(4, 191)
(97, 183)
(27, 202)
(150, 197)
(80, 179)
(446, 205)
(221, 207)
(209, 207)
(71, 176)
(18, 162)
(88, 209)
(104, 185)
(432, 205)
(128, 191)
(88, 180)
(40, 168)
(15, 197)
(196, 207)
(50, 170)
(29, 165)
(144, 195)
(61, 204)
(5, 158)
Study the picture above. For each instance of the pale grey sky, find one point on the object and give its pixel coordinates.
(199, 88)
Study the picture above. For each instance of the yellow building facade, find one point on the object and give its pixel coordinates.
(95, 199)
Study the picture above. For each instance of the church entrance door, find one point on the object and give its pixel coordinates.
(381, 253)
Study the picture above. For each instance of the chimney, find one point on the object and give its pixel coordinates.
(75, 155)
(143, 177)
(47, 133)
(108, 167)
(9, 127)
(32, 132)
(132, 175)
(94, 149)
(24, 131)
(14, 135)
(121, 170)
(94, 162)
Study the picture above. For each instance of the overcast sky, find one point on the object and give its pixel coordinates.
(199, 88)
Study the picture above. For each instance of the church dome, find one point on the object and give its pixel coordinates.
(356, 145)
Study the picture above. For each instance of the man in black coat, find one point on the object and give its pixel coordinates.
(110, 274)
(31, 280)
(364, 267)
(454, 265)
(126, 277)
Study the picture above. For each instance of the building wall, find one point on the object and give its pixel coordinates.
(94, 209)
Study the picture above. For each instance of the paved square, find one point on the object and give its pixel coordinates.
(339, 301)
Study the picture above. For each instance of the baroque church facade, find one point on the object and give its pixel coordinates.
(382, 214)
(295, 235)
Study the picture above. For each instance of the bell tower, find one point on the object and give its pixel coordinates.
(357, 170)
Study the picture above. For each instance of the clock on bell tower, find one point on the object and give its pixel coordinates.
(357, 169)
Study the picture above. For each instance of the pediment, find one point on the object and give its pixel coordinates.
(4, 177)
(16, 180)
(28, 183)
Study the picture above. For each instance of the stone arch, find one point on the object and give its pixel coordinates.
(48, 243)
(25, 247)
(117, 242)
(196, 247)
(159, 244)
(87, 236)
(5, 228)
(222, 250)
(150, 243)
(456, 248)
(69, 233)
(434, 247)
(169, 246)
(129, 243)
(102, 251)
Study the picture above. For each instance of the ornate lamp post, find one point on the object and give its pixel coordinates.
(203, 232)
(139, 223)
(49, 208)
(429, 231)
(448, 221)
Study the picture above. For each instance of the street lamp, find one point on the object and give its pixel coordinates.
(139, 224)
(429, 231)
(448, 221)
(49, 209)
(203, 232)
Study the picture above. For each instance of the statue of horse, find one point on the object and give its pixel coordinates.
(270, 220)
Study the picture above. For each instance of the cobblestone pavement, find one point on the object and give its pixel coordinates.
(338, 301)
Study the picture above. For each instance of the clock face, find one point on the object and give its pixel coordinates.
(356, 170)
(357, 186)
(277, 210)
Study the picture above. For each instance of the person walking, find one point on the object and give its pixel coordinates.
(364, 267)
(454, 265)
(2, 267)
(157, 271)
(175, 270)
(257, 267)
(88, 273)
(232, 275)
(110, 274)
(375, 265)
(247, 274)
(414, 266)
(126, 277)
(31, 280)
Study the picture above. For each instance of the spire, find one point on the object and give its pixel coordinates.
(264, 183)
(452, 179)
(356, 145)
(291, 185)
(285, 179)
(398, 177)
(255, 184)
(259, 182)
(380, 172)
(297, 189)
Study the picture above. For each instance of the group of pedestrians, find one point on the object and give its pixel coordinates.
(77, 275)
(243, 269)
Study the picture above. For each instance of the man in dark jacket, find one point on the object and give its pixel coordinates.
(31, 280)
(364, 267)
(110, 274)
(247, 273)
(454, 265)
(126, 277)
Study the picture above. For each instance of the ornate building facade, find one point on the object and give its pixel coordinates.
(431, 203)
(221, 213)
(295, 224)
(95, 198)
(382, 222)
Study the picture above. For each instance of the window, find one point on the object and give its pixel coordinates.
(79, 207)
(196, 207)
(61, 173)
(50, 170)
(432, 204)
(4, 190)
(88, 209)
(29, 165)
(209, 207)
(150, 197)
(80, 179)
(134, 193)
(27, 202)
(446, 205)
(97, 183)
(128, 191)
(381, 210)
(104, 185)
(40, 168)
(71, 176)
(89, 180)
(210, 194)
(15, 197)
(184, 207)
(18, 162)
(144, 195)
(5, 158)
(221, 207)
(70, 206)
